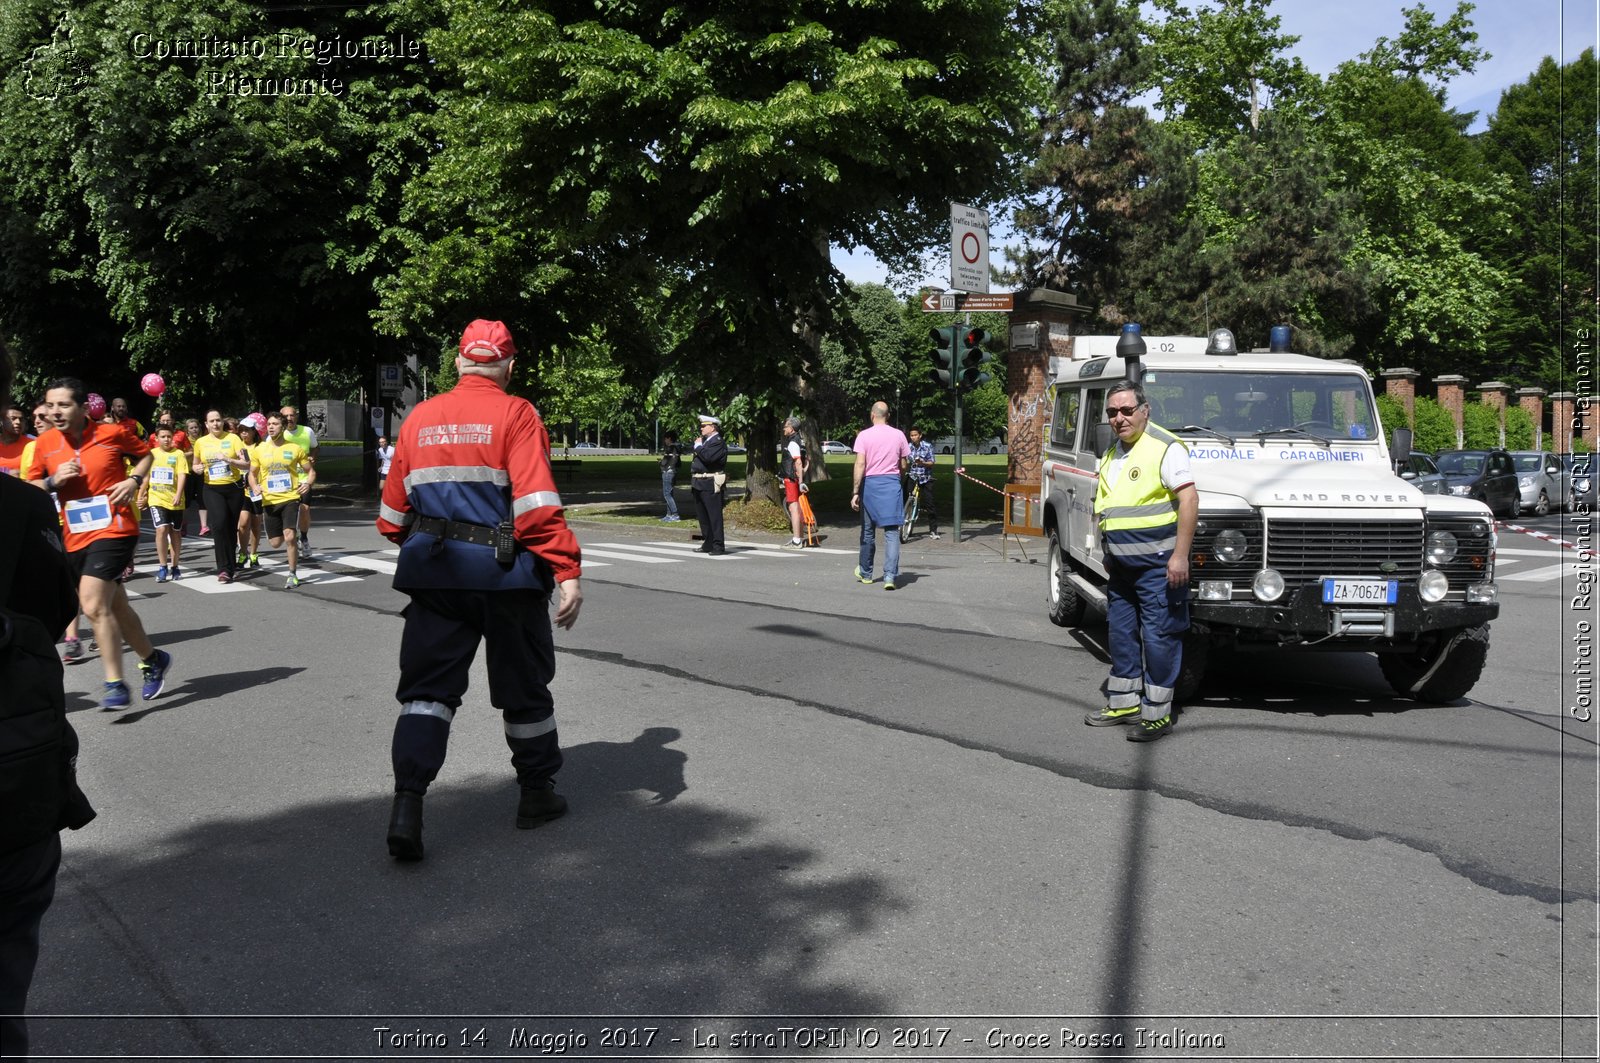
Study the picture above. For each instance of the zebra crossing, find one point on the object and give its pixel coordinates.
(383, 563)
(1511, 566)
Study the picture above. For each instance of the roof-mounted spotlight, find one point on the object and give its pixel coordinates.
(1221, 342)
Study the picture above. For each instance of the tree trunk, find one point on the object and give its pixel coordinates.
(760, 461)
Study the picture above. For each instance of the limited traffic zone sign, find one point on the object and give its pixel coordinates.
(969, 248)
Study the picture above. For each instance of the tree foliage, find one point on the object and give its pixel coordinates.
(1480, 427)
(1434, 429)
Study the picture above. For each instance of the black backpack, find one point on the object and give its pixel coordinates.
(38, 747)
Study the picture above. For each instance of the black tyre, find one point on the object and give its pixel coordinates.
(1066, 604)
(909, 518)
(1415, 675)
(1516, 506)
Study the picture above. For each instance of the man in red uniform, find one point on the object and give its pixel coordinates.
(472, 500)
(82, 461)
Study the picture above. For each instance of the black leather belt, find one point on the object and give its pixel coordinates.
(459, 530)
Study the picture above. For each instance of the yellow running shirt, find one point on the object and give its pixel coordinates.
(167, 470)
(279, 469)
(211, 454)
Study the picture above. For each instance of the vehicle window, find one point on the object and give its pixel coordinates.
(1064, 424)
(1552, 466)
(1500, 465)
(1422, 466)
(1527, 462)
(1094, 406)
(1336, 406)
(1458, 464)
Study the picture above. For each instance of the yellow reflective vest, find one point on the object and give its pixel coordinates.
(1138, 499)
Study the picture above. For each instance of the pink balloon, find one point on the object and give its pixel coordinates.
(96, 406)
(152, 384)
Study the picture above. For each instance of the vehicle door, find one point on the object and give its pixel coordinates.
(1500, 482)
(1560, 481)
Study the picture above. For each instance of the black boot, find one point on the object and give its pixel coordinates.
(405, 826)
(539, 804)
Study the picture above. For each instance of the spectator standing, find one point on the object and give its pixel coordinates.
(1147, 507)
(385, 453)
(484, 542)
(882, 457)
(922, 459)
(794, 477)
(708, 473)
(671, 450)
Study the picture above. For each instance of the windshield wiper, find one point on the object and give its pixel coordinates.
(1296, 430)
(1208, 430)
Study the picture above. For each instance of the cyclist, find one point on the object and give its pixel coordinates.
(922, 459)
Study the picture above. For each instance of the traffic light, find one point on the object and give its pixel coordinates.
(974, 358)
(944, 355)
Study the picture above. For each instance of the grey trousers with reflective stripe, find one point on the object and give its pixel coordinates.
(442, 632)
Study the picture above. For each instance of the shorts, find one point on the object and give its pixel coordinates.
(791, 491)
(280, 514)
(104, 558)
(166, 518)
(252, 505)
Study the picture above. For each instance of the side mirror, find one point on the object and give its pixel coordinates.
(1401, 451)
(1407, 474)
(1104, 436)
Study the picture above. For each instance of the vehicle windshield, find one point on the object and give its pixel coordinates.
(1528, 462)
(1457, 463)
(1332, 406)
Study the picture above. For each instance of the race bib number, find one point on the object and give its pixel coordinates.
(280, 483)
(88, 514)
(162, 474)
(219, 470)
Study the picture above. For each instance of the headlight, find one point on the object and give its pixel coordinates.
(1433, 585)
(1230, 545)
(1441, 547)
(1268, 585)
(1524, 482)
(1461, 489)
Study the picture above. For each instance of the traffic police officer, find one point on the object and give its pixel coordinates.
(709, 480)
(472, 500)
(1147, 507)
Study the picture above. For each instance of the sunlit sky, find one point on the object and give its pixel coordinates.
(1518, 34)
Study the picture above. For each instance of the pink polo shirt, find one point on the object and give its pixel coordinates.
(883, 446)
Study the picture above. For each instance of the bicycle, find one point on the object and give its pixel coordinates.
(913, 507)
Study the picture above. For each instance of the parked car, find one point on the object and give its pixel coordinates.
(1420, 472)
(1581, 479)
(1487, 475)
(1542, 479)
(833, 446)
(734, 448)
(992, 445)
(584, 446)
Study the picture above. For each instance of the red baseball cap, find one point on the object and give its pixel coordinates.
(487, 342)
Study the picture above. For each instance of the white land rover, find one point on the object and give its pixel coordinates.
(1306, 537)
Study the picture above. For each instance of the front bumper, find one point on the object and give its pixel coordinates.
(1302, 617)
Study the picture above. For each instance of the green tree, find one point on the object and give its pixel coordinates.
(1391, 415)
(1434, 429)
(599, 159)
(1519, 429)
(1430, 52)
(1480, 427)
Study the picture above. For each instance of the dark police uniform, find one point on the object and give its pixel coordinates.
(466, 462)
(710, 478)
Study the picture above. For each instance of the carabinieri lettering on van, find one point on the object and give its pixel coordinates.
(1322, 455)
(1222, 454)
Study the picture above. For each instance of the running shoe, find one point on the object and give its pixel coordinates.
(292, 582)
(243, 557)
(163, 574)
(794, 544)
(862, 576)
(115, 698)
(176, 571)
(155, 673)
(72, 651)
(934, 536)
(224, 577)
(255, 560)
(888, 584)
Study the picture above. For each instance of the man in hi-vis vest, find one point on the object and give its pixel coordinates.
(1147, 508)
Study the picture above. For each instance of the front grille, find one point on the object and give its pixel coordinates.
(1203, 562)
(1304, 551)
(1472, 561)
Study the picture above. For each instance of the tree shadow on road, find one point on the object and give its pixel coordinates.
(633, 904)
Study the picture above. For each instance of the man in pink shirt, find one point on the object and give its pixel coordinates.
(882, 457)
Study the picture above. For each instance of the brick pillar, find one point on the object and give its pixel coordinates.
(1452, 393)
(1493, 395)
(1402, 384)
(1561, 422)
(1532, 402)
(1040, 328)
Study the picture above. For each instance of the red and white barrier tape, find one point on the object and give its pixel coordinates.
(962, 472)
(1547, 537)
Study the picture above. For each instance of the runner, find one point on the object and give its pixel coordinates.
(163, 495)
(295, 432)
(191, 428)
(222, 456)
(13, 441)
(284, 470)
(83, 463)
(249, 432)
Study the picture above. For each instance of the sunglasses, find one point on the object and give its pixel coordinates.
(1122, 411)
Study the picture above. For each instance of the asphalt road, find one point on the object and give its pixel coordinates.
(797, 796)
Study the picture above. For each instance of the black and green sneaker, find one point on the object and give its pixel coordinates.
(1150, 730)
(1109, 717)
